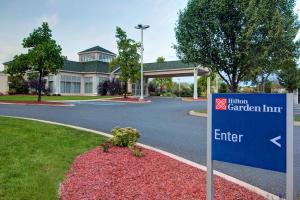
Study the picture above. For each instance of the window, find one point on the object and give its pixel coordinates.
(88, 85)
(105, 58)
(50, 83)
(70, 84)
(87, 57)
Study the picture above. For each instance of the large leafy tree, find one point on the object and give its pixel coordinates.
(44, 56)
(289, 77)
(235, 38)
(127, 59)
(163, 81)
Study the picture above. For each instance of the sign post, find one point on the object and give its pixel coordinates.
(209, 161)
(290, 148)
(254, 130)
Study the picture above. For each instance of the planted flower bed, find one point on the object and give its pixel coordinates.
(114, 173)
(120, 176)
(129, 100)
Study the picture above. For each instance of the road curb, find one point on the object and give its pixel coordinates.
(197, 114)
(248, 186)
(32, 104)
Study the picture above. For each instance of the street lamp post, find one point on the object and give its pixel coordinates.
(142, 27)
(179, 87)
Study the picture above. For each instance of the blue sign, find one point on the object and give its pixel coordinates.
(250, 129)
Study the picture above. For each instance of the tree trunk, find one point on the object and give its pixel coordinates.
(125, 90)
(40, 86)
(234, 87)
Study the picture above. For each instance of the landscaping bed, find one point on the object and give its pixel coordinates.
(192, 99)
(128, 100)
(31, 98)
(119, 175)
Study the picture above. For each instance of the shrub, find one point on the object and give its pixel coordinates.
(106, 145)
(169, 94)
(12, 91)
(223, 88)
(152, 89)
(102, 87)
(33, 83)
(136, 151)
(125, 137)
(186, 92)
(18, 85)
(112, 87)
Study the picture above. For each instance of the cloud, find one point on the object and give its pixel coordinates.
(52, 20)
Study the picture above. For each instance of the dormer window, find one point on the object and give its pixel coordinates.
(96, 54)
(105, 58)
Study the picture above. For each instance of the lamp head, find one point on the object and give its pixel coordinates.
(141, 26)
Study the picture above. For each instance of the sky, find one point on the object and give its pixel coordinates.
(78, 25)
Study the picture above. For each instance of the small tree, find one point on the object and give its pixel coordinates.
(127, 59)
(33, 82)
(164, 81)
(44, 56)
(160, 59)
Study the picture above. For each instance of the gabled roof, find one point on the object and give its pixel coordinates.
(167, 65)
(97, 48)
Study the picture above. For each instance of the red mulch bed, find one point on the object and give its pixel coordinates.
(198, 99)
(34, 103)
(118, 175)
(129, 99)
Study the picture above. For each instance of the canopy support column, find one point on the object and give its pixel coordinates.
(195, 83)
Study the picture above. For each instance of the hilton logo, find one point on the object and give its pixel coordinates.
(243, 105)
(221, 104)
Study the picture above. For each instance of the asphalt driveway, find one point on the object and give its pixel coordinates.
(164, 124)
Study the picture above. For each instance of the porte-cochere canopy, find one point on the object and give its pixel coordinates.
(172, 69)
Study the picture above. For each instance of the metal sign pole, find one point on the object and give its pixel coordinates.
(290, 148)
(209, 161)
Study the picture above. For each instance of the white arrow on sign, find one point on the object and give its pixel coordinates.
(274, 140)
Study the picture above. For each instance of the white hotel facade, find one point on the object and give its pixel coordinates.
(82, 77)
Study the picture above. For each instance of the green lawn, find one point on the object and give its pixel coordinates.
(48, 98)
(297, 118)
(201, 111)
(34, 157)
